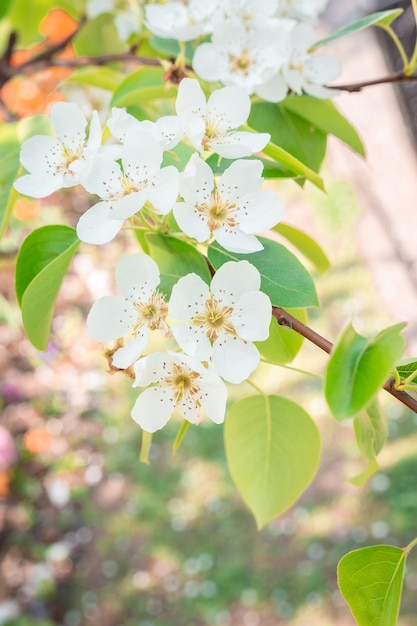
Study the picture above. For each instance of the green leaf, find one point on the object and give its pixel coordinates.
(273, 449)
(323, 114)
(290, 162)
(306, 245)
(370, 580)
(406, 368)
(283, 278)
(358, 367)
(9, 167)
(283, 344)
(171, 48)
(98, 36)
(144, 84)
(371, 433)
(175, 259)
(294, 136)
(102, 77)
(178, 157)
(41, 266)
(381, 18)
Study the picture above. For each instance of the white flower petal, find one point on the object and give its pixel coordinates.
(171, 131)
(153, 408)
(213, 397)
(124, 357)
(235, 240)
(240, 178)
(137, 276)
(69, 123)
(188, 297)
(96, 226)
(232, 280)
(320, 92)
(207, 61)
(273, 90)
(251, 316)
(191, 222)
(110, 317)
(234, 359)
(260, 211)
(229, 107)
(43, 155)
(126, 207)
(192, 340)
(321, 69)
(190, 410)
(164, 192)
(197, 181)
(190, 99)
(104, 178)
(239, 144)
(141, 156)
(121, 123)
(37, 186)
(151, 369)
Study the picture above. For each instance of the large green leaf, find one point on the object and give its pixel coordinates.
(98, 36)
(381, 18)
(407, 368)
(358, 367)
(41, 266)
(144, 84)
(283, 344)
(324, 115)
(175, 258)
(306, 245)
(371, 432)
(295, 137)
(273, 450)
(283, 278)
(102, 77)
(371, 580)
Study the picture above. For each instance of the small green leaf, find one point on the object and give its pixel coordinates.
(371, 433)
(283, 344)
(175, 259)
(358, 367)
(381, 18)
(273, 449)
(283, 278)
(306, 245)
(370, 580)
(144, 84)
(406, 368)
(34, 125)
(102, 77)
(324, 115)
(171, 48)
(41, 266)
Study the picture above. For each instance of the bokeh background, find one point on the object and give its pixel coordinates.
(89, 535)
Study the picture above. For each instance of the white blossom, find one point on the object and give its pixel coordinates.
(61, 161)
(246, 12)
(181, 20)
(220, 322)
(167, 130)
(125, 188)
(301, 9)
(244, 57)
(141, 308)
(212, 125)
(176, 382)
(230, 211)
(309, 72)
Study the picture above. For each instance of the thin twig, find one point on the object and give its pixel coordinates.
(400, 77)
(285, 319)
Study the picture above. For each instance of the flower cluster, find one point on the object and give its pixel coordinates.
(214, 326)
(211, 328)
(260, 46)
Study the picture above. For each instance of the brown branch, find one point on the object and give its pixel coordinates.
(285, 319)
(392, 78)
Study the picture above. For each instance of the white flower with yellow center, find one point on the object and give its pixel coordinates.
(125, 188)
(222, 321)
(183, 20)
(141, 309)
(176, 382)
(212, 125)
(63, 161)
(230, 211)
(244, 57)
